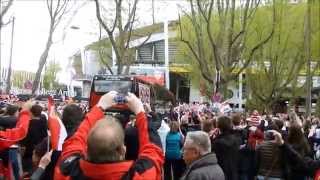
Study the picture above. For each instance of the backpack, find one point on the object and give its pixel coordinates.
(173, 145)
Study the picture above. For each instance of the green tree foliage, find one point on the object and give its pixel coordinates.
(318, 107)
(50, 76)
(20, 77)
(216, 37)
(103, 51)
(315, 30)
(281, 61)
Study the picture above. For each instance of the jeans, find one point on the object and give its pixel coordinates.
(15, 160)
(173, 169)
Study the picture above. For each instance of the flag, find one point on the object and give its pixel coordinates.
(58, 132)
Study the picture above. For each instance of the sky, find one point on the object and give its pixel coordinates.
(32, 26)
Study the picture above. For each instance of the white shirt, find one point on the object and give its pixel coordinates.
(163, 131)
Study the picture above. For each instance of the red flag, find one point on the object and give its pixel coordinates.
(50, 105)
(57, 129)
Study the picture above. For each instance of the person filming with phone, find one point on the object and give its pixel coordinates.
(97, 150)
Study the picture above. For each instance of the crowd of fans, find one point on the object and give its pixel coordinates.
(44, 140)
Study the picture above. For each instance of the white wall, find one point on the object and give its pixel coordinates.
(91, 63)
(194, 93)
(86, 87)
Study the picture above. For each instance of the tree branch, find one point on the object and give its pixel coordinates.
(259, 45)
(211, 40)
(62, 11)
(105, 61)
(202, 67)
(129, 25)
(131, 16)
(50, 8)
(109, 32)
(6, 8)
(56, 9)
(230, 33)
(98, 15)
(100, 53)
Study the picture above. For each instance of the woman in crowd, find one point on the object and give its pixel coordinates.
(174, 144)
(299, 143)
(270, 161)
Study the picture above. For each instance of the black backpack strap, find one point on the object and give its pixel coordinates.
(71, 167)
(140, 166)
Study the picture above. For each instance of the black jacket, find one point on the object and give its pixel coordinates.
(306, 165)
(7, 122)
(36, 133)
(226, 146)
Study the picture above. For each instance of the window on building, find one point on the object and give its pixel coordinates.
(151, 53)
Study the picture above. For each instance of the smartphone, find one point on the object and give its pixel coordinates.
(120, 99)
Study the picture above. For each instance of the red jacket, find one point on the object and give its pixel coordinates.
(12, 136)
(317, 175)
(148, 166)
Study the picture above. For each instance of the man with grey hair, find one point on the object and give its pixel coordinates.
(97, 150)
(201, 163)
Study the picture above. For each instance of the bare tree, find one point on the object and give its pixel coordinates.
(56, 9)
(8, 83)
(5, 5)
(102, 53)
(216, 34)
(120, 33)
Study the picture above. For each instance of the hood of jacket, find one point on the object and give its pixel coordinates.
(228, 139)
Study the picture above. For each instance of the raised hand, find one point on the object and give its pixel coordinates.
(107, 100)
(134, 103)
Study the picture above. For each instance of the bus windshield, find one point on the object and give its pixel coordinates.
(104, 86)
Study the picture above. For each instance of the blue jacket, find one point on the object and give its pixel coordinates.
(173, 145)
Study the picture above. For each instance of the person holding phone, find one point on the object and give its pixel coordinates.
(97, 150)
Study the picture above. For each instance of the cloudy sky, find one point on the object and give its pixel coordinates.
(32, 24)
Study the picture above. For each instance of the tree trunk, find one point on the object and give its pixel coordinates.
(127, 70)
(307, 42)
(120, 67)
(101, 56)
(42, 62)
(8, 83)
